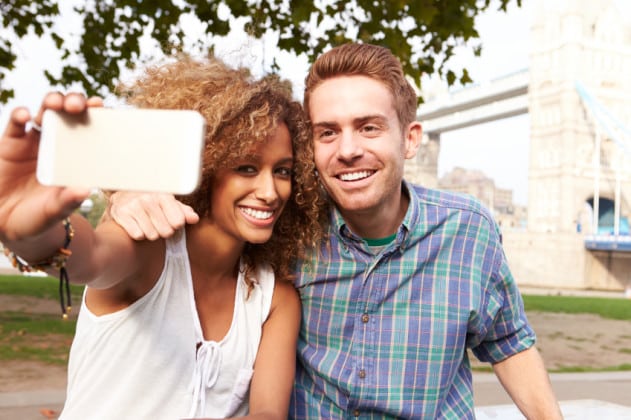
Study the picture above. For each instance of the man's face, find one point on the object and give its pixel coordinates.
(359, 146)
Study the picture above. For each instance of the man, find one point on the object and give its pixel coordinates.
(409, 279)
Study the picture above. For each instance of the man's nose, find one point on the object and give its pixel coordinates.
(349, 146)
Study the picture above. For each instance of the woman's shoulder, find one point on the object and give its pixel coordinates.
(286, 295)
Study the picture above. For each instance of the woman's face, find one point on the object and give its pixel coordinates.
(248, 198)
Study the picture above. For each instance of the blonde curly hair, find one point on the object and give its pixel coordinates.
(241, 112)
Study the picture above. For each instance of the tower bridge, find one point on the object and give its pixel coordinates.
(500, 98)
(577, 94)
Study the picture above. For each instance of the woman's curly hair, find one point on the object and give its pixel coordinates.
(241, 112)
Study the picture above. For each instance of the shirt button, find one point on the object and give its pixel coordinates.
(362, 374)
(365, 318)
(356, 413)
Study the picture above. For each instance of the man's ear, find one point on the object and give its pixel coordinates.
(413, 136)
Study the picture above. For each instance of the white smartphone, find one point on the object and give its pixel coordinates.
(131, 149)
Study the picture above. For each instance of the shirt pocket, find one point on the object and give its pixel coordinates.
(239, 390)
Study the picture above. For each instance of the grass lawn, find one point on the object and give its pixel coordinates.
(47, 338)
(35, 336)
(611, 308)
(35, 286)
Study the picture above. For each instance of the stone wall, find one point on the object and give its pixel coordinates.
(560, 261)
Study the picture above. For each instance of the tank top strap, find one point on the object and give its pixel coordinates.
(176, 244)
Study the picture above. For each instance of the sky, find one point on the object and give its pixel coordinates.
(499, 149)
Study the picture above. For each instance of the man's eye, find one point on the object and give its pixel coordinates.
(370, 128)
(325, 135)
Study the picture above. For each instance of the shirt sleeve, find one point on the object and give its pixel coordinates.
(501, 326)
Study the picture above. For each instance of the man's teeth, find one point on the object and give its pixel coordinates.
(258, 214)
(354, 176)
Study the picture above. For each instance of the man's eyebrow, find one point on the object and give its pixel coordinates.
(371, 118)
(356, 121)
(324, 124)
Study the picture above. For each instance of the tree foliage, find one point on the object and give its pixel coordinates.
(21, 17)
(422, 33)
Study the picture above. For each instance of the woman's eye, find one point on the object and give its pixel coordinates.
(246, 169)
(286, 172)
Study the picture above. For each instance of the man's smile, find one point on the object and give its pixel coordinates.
(355, 176)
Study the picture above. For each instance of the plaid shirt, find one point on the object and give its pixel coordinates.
(385, 336)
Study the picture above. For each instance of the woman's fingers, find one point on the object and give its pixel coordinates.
(72, 103)
(95, 102)
(16, 126)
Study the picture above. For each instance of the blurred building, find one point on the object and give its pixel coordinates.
(499, 200)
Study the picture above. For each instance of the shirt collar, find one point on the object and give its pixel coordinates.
(412, 215)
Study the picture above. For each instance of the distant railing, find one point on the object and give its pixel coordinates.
(620, 243)
(477, 104)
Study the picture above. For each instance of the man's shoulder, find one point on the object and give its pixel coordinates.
(431, 207)
(428, 197)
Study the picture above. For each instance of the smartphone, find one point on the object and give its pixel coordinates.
(131, 149)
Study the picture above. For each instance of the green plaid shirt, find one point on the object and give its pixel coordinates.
(385, 336)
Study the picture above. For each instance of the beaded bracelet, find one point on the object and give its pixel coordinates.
(58, 261)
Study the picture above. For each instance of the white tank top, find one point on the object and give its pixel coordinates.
(146, 361)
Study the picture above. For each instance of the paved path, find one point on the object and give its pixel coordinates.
(583, 396)
(27, 405)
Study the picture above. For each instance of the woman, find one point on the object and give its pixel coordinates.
(204, 323)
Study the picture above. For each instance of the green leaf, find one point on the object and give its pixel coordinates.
(112, 29)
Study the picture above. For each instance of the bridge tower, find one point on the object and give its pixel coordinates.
(578, 43)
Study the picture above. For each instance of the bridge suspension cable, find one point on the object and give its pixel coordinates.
(607, 121)
(620, 135)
